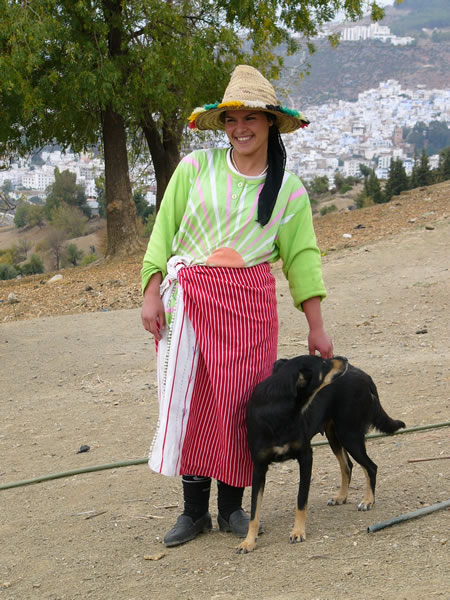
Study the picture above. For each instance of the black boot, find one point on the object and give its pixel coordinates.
(195, 518)
(231, 516)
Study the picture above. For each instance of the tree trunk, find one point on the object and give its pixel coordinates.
(120, 207)
(164, 149)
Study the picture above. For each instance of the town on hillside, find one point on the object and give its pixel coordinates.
(344, 135)
(341, 137)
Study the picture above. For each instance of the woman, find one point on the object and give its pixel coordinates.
(209, 295)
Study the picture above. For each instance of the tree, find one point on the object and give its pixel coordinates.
(443, 171)
(417, 136)
(423, 175)
(36, 216)
(343, 184)
(80, 72)
(23, 247)
(433, 137)
(55, 243)
(365, 170)
(372, 188)
(143, 208)
(73, 254)
(339, 181)
(7, 186)
(68, 219)
(65, 190)
(397, 179)
(34, 266)
(7, 204)
(319, 185)
(21, 215)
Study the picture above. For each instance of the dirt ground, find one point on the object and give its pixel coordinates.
(83, 373)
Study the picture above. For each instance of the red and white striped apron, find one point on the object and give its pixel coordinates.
(234, 317)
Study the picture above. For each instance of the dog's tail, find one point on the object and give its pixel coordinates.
(381, 420)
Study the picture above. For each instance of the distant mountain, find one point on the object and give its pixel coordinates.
(341, 73)
(410, 17)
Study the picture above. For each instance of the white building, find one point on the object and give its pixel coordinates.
(37, 180)
(351, 167)
(374, 31)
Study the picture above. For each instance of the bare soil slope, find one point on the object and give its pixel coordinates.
(82, 375)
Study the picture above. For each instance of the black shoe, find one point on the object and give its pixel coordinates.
(186, 529)
(237, 523)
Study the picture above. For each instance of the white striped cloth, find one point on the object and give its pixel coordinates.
(177, 359)
(233, 314)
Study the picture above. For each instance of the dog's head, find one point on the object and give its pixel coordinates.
(318, 372)
(309, 374)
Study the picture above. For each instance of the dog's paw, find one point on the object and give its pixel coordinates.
(364, 505)
(337, 500)
(297, 536)
(246, 546)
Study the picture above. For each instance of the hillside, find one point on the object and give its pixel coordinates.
(74, 381)
(342, 73)
(111, 286)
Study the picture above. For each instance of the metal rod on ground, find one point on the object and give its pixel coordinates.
(93, 468)
(372, 436)
(141, 461)
(408, 516)
(414, 460)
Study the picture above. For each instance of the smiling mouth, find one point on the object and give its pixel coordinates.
(244, 138)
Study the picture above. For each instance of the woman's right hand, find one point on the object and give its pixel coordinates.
(152, 312)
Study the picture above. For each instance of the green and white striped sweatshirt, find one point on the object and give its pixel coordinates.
(208, 216)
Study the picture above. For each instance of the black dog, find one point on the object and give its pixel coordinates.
(304, 396)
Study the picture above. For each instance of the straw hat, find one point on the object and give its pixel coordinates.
(247, 90)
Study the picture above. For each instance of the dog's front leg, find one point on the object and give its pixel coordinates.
(258, 483)
(298, 533)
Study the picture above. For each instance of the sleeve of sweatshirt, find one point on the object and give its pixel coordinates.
(167, 223)
(300, 255)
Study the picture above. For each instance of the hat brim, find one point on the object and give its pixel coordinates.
(210, 119)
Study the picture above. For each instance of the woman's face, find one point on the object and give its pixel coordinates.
(248, 131)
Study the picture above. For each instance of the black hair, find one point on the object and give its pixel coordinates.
(276, 162)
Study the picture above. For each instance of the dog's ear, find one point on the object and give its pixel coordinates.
(278, 363)
(304, 378)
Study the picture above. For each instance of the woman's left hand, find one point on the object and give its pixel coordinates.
(318, 339)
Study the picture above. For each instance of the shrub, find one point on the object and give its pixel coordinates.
(33, 267)
(328, 209)
(69, 219)
(73, 254)
(21, 216)
(8, 272)
(149, 225)
(88, 259)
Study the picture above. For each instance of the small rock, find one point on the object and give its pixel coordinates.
(57, 277)
(421, 331)
(429, 227)
(83, 448)
(13, 299)
(155, 556)
(347, 236)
